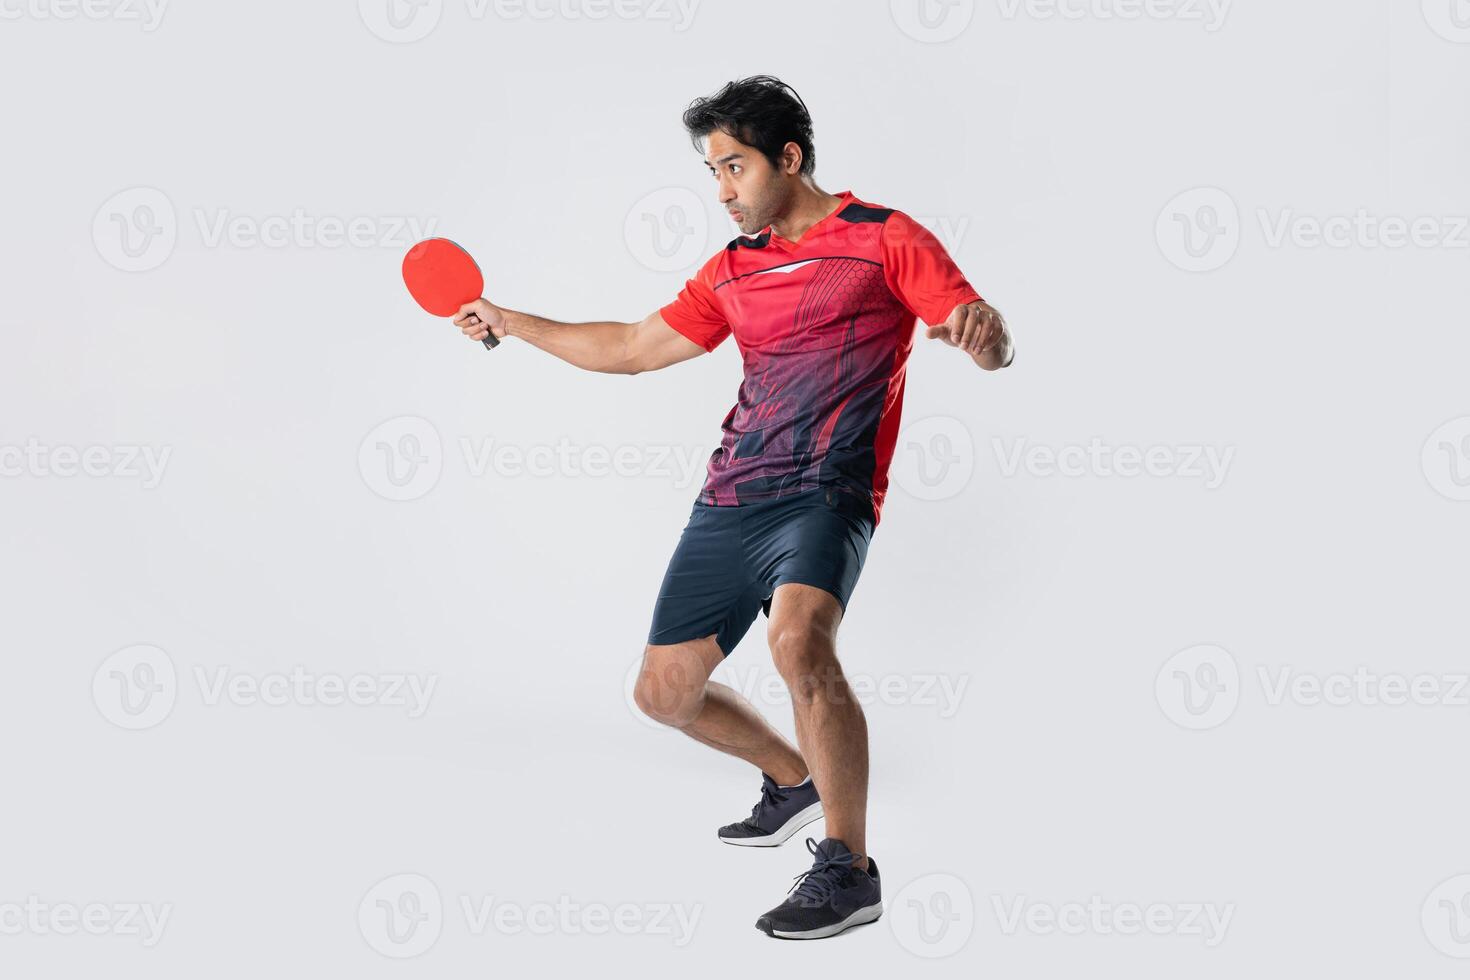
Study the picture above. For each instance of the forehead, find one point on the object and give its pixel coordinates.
(721, 144)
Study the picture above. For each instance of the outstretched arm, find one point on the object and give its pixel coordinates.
(605, 346)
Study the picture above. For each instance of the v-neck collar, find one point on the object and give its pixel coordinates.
(845, 199)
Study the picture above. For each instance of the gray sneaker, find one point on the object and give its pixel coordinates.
(830, 898)
(781, 812)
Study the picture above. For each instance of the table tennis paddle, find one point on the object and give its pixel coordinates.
(442, 277)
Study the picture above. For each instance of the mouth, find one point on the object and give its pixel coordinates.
(737, 215)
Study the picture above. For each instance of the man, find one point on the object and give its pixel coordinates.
(820, 292)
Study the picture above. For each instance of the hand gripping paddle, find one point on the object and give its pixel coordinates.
(442, 277)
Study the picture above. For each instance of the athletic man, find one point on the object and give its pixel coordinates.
(820, 292)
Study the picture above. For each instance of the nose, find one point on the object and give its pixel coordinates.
(727, 192)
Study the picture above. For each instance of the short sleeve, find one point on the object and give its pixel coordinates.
(920, 272)
(696, 312)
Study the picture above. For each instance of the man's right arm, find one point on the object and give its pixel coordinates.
(607, 347)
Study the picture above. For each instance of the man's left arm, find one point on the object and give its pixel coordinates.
(979, 330)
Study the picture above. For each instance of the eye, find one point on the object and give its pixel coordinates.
(734, 168)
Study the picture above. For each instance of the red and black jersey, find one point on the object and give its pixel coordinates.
(825, 325)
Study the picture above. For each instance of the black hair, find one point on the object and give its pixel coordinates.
(761, 111)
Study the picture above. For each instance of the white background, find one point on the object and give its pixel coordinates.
(1050, 147)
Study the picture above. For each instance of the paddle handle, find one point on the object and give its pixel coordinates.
(491, 341)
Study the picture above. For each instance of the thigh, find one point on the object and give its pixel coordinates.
(804, 609)
(707, 589)
(819, 541)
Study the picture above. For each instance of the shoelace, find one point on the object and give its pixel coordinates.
(769, 798)
(816, 884)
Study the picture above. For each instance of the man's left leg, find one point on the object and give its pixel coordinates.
(841, 889)
(830, 728)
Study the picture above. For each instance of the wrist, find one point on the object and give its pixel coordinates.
(510, 320)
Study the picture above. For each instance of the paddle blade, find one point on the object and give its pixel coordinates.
(441, 276)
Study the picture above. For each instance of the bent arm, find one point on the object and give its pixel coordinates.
(608, 347)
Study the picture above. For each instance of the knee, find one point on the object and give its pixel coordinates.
(806, 658)
(668, 692)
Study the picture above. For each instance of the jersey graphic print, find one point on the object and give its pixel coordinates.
(825, 326)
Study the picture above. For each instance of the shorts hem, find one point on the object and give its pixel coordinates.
(798, 579)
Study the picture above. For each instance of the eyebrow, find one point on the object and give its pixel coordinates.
(725, 159)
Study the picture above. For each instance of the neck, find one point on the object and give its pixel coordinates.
(810, 205)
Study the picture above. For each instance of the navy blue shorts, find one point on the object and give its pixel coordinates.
(730, 559)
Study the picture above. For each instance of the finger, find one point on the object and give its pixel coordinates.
(954, 327)
(967, 330)
(997, 330)
(991, 332)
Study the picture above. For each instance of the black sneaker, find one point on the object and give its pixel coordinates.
(781, 812)
(831, 897)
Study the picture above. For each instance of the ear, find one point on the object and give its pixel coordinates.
(791, 158)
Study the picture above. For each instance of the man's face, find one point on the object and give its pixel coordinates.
(751, 190)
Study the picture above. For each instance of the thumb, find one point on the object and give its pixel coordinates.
(941, 331)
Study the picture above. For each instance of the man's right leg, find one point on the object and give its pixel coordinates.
(674, 688)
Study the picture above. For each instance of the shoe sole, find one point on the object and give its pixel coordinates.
(783, 833)
(860, 917)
